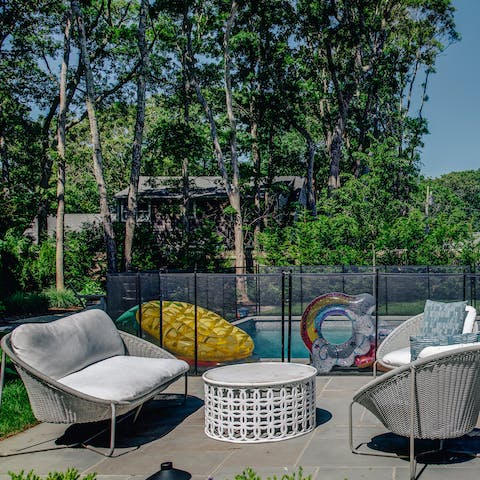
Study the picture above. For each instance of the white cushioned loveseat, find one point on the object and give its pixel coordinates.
(81, 369)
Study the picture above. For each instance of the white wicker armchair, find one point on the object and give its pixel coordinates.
(76, 369)
(397, 341)
(433, 398)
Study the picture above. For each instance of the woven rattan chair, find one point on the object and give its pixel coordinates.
(434, 398)
(398, 339)
(54, 400)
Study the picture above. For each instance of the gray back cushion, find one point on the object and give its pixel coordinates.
(443, 318)
(69, 344)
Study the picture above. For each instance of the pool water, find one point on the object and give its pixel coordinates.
(268, 339)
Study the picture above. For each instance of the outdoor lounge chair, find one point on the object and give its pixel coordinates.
(394, 351)
(432, 398)
(81, 369)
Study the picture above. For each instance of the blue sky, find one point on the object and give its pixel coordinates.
(453, 108)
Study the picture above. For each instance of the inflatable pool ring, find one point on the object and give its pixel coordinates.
(358, 309)
(218, 340)
(367, 360)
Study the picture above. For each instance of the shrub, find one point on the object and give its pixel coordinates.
(249, 474)
(21, 303)
(61, 298)
(70, 474)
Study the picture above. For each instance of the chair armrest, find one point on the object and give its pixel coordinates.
(435, 350)
(399, 337)
(139, 347)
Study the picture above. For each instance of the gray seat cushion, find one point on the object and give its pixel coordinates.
(69, 344)
(124, 378)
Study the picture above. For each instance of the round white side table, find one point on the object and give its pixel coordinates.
(259, 402)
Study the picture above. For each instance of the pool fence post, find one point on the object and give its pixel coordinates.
(301, 288)
(289, 340)
(283, 316)
(377, 275)
(428, 281)
(195, 317)
(386, 290)
(474, 285)
(160, 308)
(223, 295)
(257, 288)
(139, 303)
(464, 284)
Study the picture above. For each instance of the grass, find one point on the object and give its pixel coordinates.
(16, 414)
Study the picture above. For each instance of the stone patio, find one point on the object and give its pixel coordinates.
(165, 432)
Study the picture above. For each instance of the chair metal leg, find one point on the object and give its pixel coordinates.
(412, 423)
(113, 421)
(186, 389)
(357, 450)
(137, 413)
(112, 431)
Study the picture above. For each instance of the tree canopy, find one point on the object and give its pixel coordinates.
(329, 91)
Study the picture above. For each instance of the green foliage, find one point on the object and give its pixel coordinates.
(16, 414)
(21, 303)
(176, 250)
(249, 474)
(85, 260)
(69, 474)
(321, 241)
(61, 299)
(16, 252)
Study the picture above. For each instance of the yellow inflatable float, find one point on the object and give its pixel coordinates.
(218, 340)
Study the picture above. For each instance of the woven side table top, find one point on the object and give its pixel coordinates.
(259, 402)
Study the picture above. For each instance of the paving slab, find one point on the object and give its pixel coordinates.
(166, 431)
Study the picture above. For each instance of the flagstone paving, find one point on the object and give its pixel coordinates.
(168, 432)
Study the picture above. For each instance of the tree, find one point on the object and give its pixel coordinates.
(62, 120)
(231, 183)
(96, 143)
(138, 137)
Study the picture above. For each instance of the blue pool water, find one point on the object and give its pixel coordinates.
(268, 338)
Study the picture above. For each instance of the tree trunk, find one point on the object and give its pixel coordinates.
(311, 201)
(186, 198)
(235, 185)
(96, 143)
(4, 160)
(257, 177)
(62, 120)
(335, 157)
(232, 187)
(339, 129)
(234, 194)
(138, 138)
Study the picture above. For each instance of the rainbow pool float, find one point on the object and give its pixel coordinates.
(359, 349)
(217, 340)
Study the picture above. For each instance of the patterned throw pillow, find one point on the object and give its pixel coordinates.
(462, 338)
(443, 318)
(419, 342)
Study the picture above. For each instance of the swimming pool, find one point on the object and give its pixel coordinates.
(267, 337)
